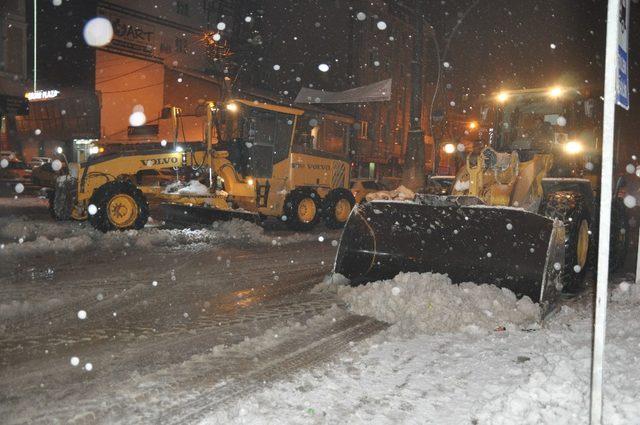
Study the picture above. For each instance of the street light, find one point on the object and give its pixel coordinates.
(502, 97)
(449, 148)
(555, 92)
(473, 125)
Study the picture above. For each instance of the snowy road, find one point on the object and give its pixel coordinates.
(229, 324)
(155, 301)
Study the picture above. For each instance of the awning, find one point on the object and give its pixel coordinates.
(376, 92)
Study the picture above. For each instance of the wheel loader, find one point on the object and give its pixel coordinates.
(257, 160)
(520, 214)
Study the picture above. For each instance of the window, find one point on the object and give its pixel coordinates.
(363, 129)
(182, 8)
(181, 45)
(165, 46)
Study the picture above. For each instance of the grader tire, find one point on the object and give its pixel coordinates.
(336, 207)
(571, 209)
(302, 209)
(120, 206)
(63, 198)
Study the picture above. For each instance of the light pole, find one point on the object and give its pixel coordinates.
(441, 57)
(413, 175)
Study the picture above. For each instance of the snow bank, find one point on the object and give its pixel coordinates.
(399, 194)
(41, 237)
(429, 303)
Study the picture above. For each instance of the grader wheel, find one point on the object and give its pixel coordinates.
(120, 206)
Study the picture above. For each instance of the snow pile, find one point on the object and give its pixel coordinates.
(626, 292)
(429, 303)
(399, 194)
(194, 187)
(497, 378)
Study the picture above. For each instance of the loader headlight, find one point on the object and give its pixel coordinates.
(250, 182)
(233, 107)
(573, 147)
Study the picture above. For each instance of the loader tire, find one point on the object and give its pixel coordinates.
(302, 209)
(336, 207)
(120, 206)
(571, 209)
(619, 244)
(51, 196)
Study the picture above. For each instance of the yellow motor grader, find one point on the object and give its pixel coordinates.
(520, 214)
(258, 159)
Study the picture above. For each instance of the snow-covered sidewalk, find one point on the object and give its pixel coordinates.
(461, 355)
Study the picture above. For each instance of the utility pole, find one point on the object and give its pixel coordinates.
(413, 175)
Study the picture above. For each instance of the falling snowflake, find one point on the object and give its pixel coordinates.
(553, 46)
(395, 291)
(321, 238)
(97, 32)
(75, 361)
(248, 19)
(630, 168)
(629, 201)
(221, 26)
(276, 67)
(382, 25)
(19, 188)
(82, 314)
(361, 16)
(88, 367)
(323, 67)
(56, 165)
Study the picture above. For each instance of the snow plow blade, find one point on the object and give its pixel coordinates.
(507, 247)
(187, 215)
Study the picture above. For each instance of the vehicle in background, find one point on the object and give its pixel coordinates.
(15, 171)
(361, 187)
(45, 175)
(439, 185)
(37, 161)
(10, 155)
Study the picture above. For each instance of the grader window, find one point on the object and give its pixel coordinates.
(267, 135)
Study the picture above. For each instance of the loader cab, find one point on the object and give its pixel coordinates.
(557, 121)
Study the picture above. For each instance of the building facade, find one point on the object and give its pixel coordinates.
(13, 70)
(160, 55)
(361, 42)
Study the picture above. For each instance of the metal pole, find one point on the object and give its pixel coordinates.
(413, 174)
(605, 212)
(638, 259)
(35, 44)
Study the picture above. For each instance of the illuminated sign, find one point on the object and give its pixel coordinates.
(42, 94)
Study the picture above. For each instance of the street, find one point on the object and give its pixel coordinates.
(168, 308)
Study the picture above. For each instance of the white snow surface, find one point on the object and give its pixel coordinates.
(43, 236)
(401, 193)
(194, 187)
(452, 367)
